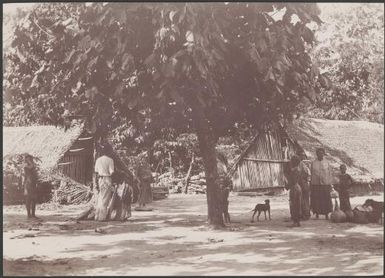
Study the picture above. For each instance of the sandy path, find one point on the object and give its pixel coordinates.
(173, 240)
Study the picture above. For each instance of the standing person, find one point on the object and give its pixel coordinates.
(346, 182)
(104, 168)
(321, 180)
(295, 191)
(304, 183)
(225, 186)
(145, 178)
(225, 191)
(29, 184)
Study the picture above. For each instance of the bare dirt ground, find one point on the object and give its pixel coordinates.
(173, 239)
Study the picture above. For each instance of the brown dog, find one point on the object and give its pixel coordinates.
(262, 207)
(378, 208)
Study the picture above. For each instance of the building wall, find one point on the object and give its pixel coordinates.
(78, 162)
(263, 165)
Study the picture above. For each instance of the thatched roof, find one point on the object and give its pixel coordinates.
(358, 144)
(48, 143)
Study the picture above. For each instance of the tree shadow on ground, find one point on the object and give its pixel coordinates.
(174, 240)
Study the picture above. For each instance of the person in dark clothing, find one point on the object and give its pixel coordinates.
(144, 176)
(225, 186)
(30, 186)
(346, 182)
(295, 191)
(304, 183)
(225, 191)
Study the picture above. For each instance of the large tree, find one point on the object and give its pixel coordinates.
(143, 67)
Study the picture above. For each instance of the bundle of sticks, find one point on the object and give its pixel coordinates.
(197, 184)
(72, 192)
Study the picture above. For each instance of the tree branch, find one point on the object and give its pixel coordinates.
(41, 29)
(354, 113)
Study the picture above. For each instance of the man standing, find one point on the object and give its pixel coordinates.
(321, 179)
(304, 182)
(104, 168)
(295, 193)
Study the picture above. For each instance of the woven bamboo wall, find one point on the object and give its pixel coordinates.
(77, 163)
(252, 174)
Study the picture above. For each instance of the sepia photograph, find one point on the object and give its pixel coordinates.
(193, 139)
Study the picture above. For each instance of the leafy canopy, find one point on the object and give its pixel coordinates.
(141, 67)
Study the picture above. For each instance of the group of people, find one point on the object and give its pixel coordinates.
(310, 188)
(106, 174)
(104, 169)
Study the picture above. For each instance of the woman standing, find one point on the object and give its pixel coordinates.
(321, 180)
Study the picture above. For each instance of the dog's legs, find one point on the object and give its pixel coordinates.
(259, 213)
(252, 218)
(269, 215)
(265, 214)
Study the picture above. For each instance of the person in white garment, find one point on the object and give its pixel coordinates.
(104, 168)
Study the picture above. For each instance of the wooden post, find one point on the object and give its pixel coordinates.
(171, 169)
(187, 179)
(94, 181)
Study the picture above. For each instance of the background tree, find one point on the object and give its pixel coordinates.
(351, 50)
(207, 66)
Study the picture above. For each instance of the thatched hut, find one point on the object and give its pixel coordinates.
(69, 153)
(358, 144)
(261, 165)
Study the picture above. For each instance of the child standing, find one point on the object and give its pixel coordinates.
(225, 191)
(29, 184)
(346, 182)
(225, 186)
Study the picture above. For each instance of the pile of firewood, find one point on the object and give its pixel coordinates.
(177, 184)
(71, 192)
(168, 180)
(197, 184)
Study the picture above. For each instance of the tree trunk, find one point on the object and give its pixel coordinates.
(187, 179)
(208, 152)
